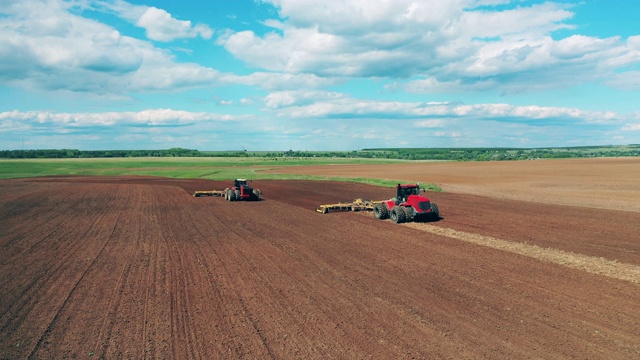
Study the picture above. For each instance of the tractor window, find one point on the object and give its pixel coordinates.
(424, 205)
(411, 191)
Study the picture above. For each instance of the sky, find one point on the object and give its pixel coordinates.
(332, 75)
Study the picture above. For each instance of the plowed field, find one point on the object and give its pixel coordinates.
(138, 268)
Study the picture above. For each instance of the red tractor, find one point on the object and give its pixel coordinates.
(407, 206)
(241, 191)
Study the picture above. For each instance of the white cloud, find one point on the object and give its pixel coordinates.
(43, 45)
(297, 126)
(536, 20)
(328, 105)
(631, 127)
(158, 23)
(435, 123)
(456, 44)
(161, 26)
(629, 80)
(151, 117)
(280, 81)
(281, 99)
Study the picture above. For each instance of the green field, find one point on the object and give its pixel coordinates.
(184, 168)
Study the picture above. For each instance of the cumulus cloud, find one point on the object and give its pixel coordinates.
(280, 81)
(280, 99)
(295, 122)
(146, 129)
(158, 23)
(463, 43)
(326, 105)
(150, 117)
(162, 27)
(629, 80)
(45, 45)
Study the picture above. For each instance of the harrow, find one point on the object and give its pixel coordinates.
(239, 191)
(355, 205)
(210, 193)
(407, 206)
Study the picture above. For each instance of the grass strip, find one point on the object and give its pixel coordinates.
(186, 168)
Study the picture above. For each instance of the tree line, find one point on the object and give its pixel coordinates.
(450, 154)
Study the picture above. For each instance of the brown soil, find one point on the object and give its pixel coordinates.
(138, 268)
(607, 184)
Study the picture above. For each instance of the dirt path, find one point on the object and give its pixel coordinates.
(138, 268)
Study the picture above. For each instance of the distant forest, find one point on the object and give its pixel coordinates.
(451, 154)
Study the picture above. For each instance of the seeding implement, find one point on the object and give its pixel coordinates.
(239, 191)
(407, 206)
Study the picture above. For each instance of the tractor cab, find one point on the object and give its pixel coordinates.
(239, 182)
(403, 192)
(242, 191)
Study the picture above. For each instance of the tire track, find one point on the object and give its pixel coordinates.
(55, 318)
(37, 297)
(590, 264)
(228, 292)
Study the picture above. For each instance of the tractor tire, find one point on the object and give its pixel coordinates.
(408, 213)
(385, 211)
(435, 211)
(397, 215)
(237, 195)
(255, 195)
(380, 211)
(226, 195)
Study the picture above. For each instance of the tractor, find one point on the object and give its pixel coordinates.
(407, 206)
(241, 191)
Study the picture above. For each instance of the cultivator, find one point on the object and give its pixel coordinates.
(210, 193)
(407, 206)
(239, 191)
(355, 205)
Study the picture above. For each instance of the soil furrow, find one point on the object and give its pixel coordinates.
(136, 267)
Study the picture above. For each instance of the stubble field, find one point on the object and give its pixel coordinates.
(134, 267)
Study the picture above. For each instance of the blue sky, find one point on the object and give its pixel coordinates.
(318, 75)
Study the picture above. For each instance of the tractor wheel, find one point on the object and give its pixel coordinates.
(237, 195)
(380, 211)
(402, 214)
(408, 214)
(226, 195)
(435, 211)
(397, 215)
(255, 195)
